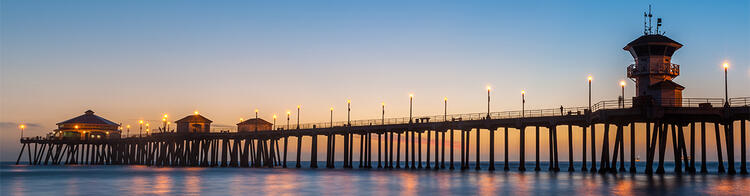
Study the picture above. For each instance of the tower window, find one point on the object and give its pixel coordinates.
(657, 50)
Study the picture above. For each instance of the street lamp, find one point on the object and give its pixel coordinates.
(22, 127)
(726, 89)
(382, 118)
(411, 100)
(445, 109)
(127, 133)
(523, 103)
(349, 112)
(488, 101)
(256, 120)
(298, 107)
(148, 129)
(331, 116)
(165, 123)
(590, 78)
(274, 122)
(140, 127)
(288, 114)
(622, 85)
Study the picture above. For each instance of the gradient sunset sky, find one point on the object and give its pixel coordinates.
(132, 60)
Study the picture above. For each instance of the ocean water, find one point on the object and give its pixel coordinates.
(143, 180)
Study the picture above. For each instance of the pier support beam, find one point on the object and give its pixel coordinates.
(632, 147)
(704, 170)
(476, 164)
(492, 149)
(314, 152)
(583, 149)
(570, 148)
(718, 148)
(442, 149)
(428, 150)
(729, 134)
(743, 152)
(593, 147)
(451, 151)
(463, 147)
(692, 147)
(413, 152)
(398, 150)
(537, 168)
(605, 150)
(380, 148)
(299, 151)
(506, 166)
(437, 147)
(390, 149)
(522, 149)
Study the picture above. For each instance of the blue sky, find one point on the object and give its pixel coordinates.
(130, 60)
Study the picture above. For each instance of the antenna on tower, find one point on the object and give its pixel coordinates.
(649, 19)
(645, 25)
(658, 24)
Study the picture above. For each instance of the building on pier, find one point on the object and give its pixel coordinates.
(254, 124)
(87, 126)
(194, 124)
(653, 70)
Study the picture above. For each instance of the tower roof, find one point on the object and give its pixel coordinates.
(653, 39)
(88, 118)
(195, 118)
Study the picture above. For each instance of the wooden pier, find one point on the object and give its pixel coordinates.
(270, 148)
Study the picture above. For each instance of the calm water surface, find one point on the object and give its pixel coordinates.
(142, 180)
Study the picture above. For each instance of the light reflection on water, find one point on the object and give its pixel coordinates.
(140, 180)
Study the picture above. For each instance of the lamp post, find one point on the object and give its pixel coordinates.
(523, 103)
(331, 116)
(140, 127)
(148, 129)
(622, 85)
(488, 101)
(127, 133)
(445, 109)
(382, 117)
(256, 120)
(726, 89)
(274, 122)
(165, 123)
(411, 100)
(288, 114)
(349, 112)
(22, 127)
(590, 78)
(298, 107)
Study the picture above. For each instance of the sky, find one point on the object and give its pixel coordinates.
(133, 60)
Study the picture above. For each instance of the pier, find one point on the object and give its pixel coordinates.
(270, 148)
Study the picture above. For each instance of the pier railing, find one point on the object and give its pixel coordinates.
(448, 117)
(570, 111)
(608, 104)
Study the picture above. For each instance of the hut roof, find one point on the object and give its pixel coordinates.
(88, 118)
(195, 118)
(253, 121)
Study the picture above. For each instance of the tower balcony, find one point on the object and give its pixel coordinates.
(670, 69)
